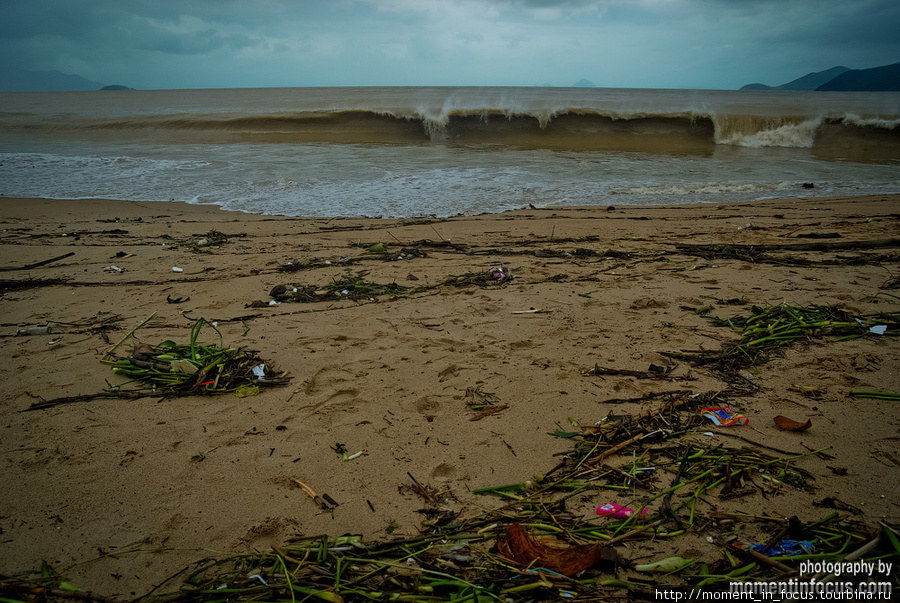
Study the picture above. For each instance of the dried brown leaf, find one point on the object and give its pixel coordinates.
(792, 425)
(551, 554)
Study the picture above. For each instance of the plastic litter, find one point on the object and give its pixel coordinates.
(260, 371)
(786, 548)
(724, 416)
(37, 330)
(618, 511)
(177, 269)
(501, 273)
(878, 329)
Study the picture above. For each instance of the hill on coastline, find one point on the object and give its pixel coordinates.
(877, 79)
(886, 78)
(20, 80)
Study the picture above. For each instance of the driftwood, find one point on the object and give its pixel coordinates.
(821, 246)
(38, 264)
(120, 394)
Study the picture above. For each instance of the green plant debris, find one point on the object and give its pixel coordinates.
(643, 460)
(479, 400)
(877, 395)
(173, 369)
(769, 330)
(206, 242)
(349, 286)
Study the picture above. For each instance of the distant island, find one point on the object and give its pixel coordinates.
(116, 87)
(843, 79)
(20, 80)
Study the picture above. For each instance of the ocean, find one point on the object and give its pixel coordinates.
(435, 151)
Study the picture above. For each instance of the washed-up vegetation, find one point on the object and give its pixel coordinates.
(348, 286)
(173, 369)
(539, 544)
(767, 331)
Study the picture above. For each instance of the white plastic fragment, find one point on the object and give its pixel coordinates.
(177, 269)
(260, 371)
(878, 329)
(273, 303)
(258, 577)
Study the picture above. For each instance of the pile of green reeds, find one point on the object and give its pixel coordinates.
(194, 368)
(769, 330)
(349, 286)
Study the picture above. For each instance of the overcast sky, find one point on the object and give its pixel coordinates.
(613, 43)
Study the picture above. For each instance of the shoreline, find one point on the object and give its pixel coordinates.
(389, 375)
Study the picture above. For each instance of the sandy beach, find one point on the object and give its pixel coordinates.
(395, 376)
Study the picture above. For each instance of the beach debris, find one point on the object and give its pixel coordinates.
(177, 300)
(791, 425)
(878, 329)
(114, 270)
(664, 566)
(39, 264)
(350, 286)
(186, 369)
(354, 456)
(260, 371)
(494, 276)
(784, 548)
(450, 558)
(724, 416)
(483, 403)
(654, 371)
(489, 411)
(324, 504)
(501, 273)
(769, 330)
(618, 511)
(431, 495)
(33, 330)
(177, 269)
(212, 239)
(858, 393)
(547, 553)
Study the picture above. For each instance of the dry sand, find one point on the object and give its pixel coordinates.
(389, 376)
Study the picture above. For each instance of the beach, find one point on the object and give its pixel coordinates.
(95, 486)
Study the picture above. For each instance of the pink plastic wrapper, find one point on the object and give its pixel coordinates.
(501, 273)
(619, 512)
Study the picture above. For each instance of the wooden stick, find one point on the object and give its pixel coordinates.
(768, 561)
(311, 493)
(287, 557)
(37, 264)
(599, 458)
(656, 523)
(129, 334)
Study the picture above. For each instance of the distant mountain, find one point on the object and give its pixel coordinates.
(877, 79)
(116, 87)
(810, 81)
(19, 80)
(582, 83)
(885, 78)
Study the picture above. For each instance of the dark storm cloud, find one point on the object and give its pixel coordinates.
(662, 43)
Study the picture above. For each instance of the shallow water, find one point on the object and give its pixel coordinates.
(403, 152)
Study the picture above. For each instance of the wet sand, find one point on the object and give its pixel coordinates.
(388, 376)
